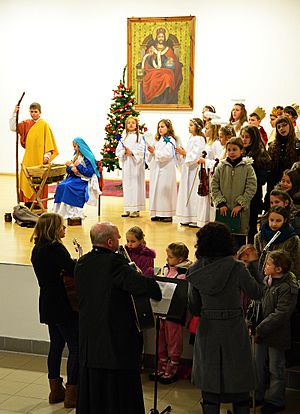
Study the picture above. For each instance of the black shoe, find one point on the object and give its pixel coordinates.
(155, 218)
(194, 225)
(269, 408)
(166, 219)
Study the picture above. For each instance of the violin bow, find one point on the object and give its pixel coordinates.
(17, 150)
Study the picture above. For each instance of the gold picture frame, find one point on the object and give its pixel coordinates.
(160, 61)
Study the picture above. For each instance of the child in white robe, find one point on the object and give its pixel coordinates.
(162, 160)
(131, 152)
(215, 151)
(187, 200)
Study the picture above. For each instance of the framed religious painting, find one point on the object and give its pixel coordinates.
(160, 62)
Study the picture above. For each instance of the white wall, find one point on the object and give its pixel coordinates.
(69, 55)
(19, 316)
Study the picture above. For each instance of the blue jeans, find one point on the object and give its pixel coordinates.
(60, 334)
(276, 395)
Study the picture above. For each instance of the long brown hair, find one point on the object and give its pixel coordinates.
(169, 126)
(290, 149)
(243, 118)
(256, 150)
(199, 125)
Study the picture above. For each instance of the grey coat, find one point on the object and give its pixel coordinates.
(278, 303)
(235, 186)
(222, 360)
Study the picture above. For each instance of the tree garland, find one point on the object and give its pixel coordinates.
(121, 107)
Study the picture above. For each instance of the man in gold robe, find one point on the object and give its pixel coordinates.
(40, 148)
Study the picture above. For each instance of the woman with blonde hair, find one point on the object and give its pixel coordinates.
(49, 258)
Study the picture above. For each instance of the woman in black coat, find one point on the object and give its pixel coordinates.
(49, 258)
(222, 362)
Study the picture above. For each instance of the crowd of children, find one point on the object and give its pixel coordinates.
(239, 160)
(272, 162)
(233, 162)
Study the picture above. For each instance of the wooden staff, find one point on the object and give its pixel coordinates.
(17, 150)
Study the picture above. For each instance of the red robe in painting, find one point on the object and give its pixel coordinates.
(167, 76)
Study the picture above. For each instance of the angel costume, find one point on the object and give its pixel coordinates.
(133, 171)
(187, 201)
(163, 186)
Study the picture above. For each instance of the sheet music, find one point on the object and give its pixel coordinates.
(167, 291)
(149, 138)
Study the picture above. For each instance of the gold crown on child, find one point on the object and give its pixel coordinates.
(296, 107)
(260, 112)
(277, 111)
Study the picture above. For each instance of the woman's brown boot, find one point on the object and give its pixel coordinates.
(57, 391)
(71, 396)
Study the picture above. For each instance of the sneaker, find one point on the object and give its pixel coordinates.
(135, 214)
(269, 408)
(170, 374)
(185, 224)
(126, 214)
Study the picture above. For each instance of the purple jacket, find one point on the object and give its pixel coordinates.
(143, 257)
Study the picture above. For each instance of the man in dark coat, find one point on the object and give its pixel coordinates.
(109, 340)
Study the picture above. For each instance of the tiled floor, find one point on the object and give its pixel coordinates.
(24, 389)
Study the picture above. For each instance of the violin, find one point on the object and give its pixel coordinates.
(203, 189)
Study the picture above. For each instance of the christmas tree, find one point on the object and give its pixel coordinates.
(121, 107)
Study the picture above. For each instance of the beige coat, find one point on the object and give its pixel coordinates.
(233, 186)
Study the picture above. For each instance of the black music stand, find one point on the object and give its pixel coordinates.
(176, 313)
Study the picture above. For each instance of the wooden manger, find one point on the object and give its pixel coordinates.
(40, 175)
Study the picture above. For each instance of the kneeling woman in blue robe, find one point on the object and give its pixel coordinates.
(81, 184)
